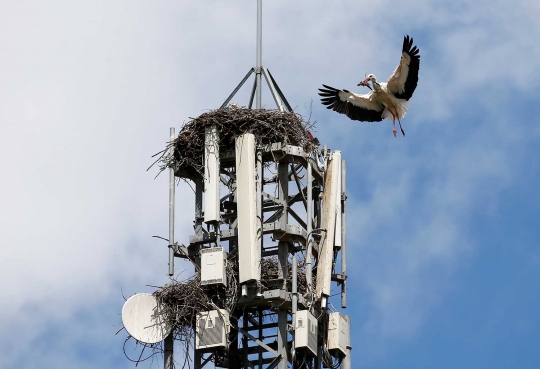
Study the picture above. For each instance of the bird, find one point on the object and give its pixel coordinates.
(386, 100)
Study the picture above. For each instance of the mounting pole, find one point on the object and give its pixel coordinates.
(171, 209)
(168, 352)
(309, 229)
(294, 300)
(258, 68)
(283, 254)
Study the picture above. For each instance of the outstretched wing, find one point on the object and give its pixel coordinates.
(403, 81)
(356, 107)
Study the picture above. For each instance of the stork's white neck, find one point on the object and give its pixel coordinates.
(374, 83)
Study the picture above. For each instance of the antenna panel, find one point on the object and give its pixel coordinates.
(338, 334)
(305, 334)
(211, 175)
(213, 266)
(249, 254)
(212, 329)
(329, 211)
(337, 237)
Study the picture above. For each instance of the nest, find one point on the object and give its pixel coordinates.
(181, 300)
(268, 126)
(270, 271)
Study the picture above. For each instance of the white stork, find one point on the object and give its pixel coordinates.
(388, 100)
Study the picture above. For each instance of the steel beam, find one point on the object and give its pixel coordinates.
(279, 92)
(171, 207)
(275, 362)
(236, 89)
(275, 95)
(168, 352)
(258, 341)
(283, 253)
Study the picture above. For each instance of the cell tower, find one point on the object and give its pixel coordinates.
(261, 206)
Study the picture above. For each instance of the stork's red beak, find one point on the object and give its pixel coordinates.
(364, 82)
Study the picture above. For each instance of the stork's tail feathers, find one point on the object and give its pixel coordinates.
(401, 109)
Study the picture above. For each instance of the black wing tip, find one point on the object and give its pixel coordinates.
(414, 66)
(329, 88)
(408, 47)
(328, 96)
(328, 91)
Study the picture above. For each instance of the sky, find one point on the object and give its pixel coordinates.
(443, 240)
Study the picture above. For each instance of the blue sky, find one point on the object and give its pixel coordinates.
(443, 224)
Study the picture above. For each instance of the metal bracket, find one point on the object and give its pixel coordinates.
(181, 251)
(339, 278)
(273, 199)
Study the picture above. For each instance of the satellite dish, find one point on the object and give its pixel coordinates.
(143, 319)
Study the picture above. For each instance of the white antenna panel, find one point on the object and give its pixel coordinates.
(328, 223)
(212, 329)
(249, 254)
(305, 331)
(337, 238)
(338, 334)
(213, 266)
(143, 319)
(211, 175)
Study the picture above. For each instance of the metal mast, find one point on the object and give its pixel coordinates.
(259, 54)
(168, 349)
(259, 70)
(275, 326)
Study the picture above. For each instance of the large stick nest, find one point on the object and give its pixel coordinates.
(268, 126)
(181, 300)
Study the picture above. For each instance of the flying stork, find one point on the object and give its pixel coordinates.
(388, 100)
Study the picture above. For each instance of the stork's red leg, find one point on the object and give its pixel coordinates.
(402, 131)
(394, 116)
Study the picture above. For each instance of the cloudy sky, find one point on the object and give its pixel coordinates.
(443, 224)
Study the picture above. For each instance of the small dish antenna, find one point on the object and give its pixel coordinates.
(144, 320)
